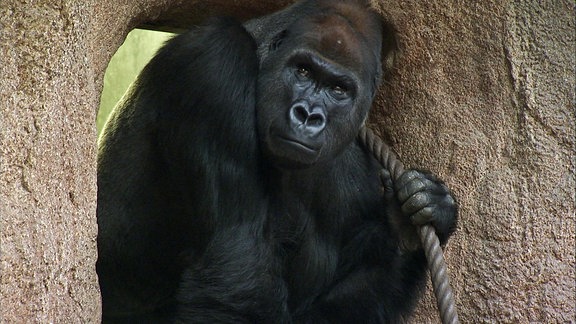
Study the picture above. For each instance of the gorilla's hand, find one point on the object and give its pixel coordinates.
(421, 199)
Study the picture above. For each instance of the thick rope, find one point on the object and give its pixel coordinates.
(428, 237)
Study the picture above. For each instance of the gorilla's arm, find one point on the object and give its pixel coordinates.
(235, 281)
(207, 129)
(178, 162)
(211, 141)
(206, 85)
(383, 267)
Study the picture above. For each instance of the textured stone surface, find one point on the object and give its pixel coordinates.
(47, 167)
(483, 94)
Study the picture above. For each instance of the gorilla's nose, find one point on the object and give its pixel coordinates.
(310, 121)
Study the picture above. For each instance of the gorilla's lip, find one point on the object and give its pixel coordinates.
(298, 143)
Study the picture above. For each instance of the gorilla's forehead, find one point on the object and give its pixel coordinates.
(337, 38)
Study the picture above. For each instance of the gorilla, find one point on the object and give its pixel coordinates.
(232, 187)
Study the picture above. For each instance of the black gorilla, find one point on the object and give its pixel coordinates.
(231, 187)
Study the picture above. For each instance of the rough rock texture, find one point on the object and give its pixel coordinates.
(483, 94)
(47, 168)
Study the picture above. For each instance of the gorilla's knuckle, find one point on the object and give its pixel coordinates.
(421, 198)
(411, 175)
(423, 216)
(416, 202)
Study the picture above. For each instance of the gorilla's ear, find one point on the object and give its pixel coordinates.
(389, 46)
(277, 40)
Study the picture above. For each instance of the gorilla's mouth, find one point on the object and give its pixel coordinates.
(290, 151)
(299, 144)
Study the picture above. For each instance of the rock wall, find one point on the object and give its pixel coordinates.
(482, 94)
(48, 98)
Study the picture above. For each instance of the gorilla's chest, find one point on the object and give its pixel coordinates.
(308, 253)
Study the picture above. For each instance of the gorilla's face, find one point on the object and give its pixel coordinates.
(315, 88)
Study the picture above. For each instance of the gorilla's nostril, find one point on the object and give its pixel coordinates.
(300, 113)
(315, 120)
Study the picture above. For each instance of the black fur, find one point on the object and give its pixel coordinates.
(231, 187)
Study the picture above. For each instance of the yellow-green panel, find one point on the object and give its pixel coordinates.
(138, 48)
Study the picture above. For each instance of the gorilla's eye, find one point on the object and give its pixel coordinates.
(303, 72)
(339, 92)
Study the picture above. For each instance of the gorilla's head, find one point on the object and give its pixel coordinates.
(316, 84)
